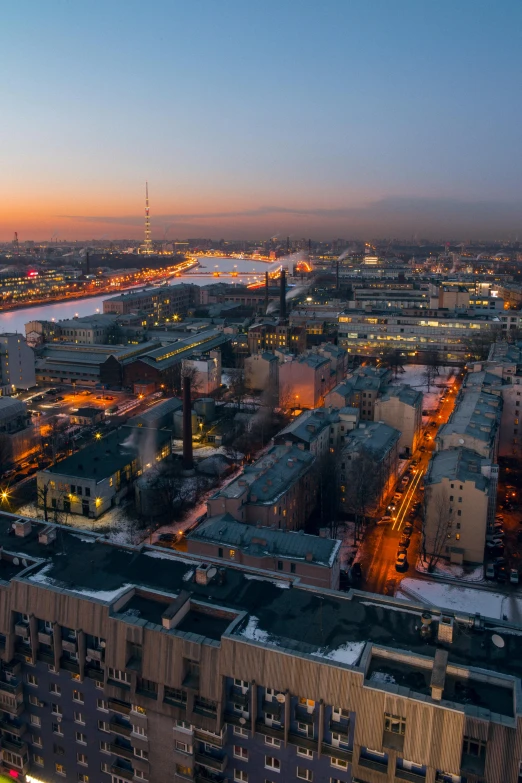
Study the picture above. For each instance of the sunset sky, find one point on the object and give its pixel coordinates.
(312, 118)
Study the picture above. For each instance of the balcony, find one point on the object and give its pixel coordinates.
(46, 656)
(392, 740)
(412, 777)
(95, 653)
(205, 776)
(70, 645)
(376, 766)
(303, 716)
(124, 751)
(340, 728)
(120, 728)
(22, 630)
(213, 762)
(238, 697)
(70, 666)
(11, 696)
(336, 753)
(16, 727)
(122, 772)
(270, 731)
(45, 637)
(237, 720)
(209, 736)
(14, 746)
(473, 764)
(303, 741)
(119, 706)
(94, 674)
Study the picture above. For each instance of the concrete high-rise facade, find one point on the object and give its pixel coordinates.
(16, 363)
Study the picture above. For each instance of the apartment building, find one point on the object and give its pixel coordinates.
(17, 433)
(501, 374)
(360, 390)
(132, 664)
(262, 371)
(17, 364)
(380, 441)
(461, 488)
(320, 431)
(460, 297)
(207, 371)
(473, 423)
(401, 408)
(313, 559)
(411, 332)
(268, 336)
(156, 305)
(339, 360)
(92, 480)
(304, 381)
(278, 490)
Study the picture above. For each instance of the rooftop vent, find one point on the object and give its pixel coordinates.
(426, 620)
(22, 527)
(445, 630)
(205, 573)
(47, 536)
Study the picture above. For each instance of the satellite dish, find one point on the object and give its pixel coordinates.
(15, 561)
(88, 659)
(211, 572)
(498, 641)
(281, 698)
(24, 561)
(59, 718)
(461, 441)
(242, 721)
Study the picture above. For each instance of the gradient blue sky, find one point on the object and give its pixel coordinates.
(248, 118)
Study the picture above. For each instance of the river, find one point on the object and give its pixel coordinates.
(15, 320)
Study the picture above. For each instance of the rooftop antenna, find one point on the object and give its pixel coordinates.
(147, 244)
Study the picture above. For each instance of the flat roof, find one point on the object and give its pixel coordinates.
(375, 436)
(329, 626)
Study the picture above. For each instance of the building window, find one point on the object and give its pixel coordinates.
(292, 568)
(103, 726)
(105, 747)
(474, 747)
(32, 680)
(240, 776)
(304, 774)
(339, 763)
(120, 676)
(305, 752)
(57, 729)
(275, 743)
(272, 763)
(38, 760)
(139, 731)
(394, 723)
(60, 769)
(79, 717)
(35, 720)
(240, 752)
(138, 709)
(56, 689)
(34, 700)
(78, 696)
(239, 731)
(81, 758)
(141, 754)
(339, 714)
(183, 747)
(102, 705)
(220, 551)
(36, 740)
(83, 778)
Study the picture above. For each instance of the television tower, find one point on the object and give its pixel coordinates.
(147, 244)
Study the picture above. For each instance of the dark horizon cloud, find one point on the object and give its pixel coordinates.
(395, 215)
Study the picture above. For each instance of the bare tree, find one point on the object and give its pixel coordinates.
(438, 518)
(238, 385)
(392, 358)
(42, 493)
(361, 486)
(189, 371)
(478, 344)
(53, 438)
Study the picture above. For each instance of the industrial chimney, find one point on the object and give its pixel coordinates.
(282, 296)
(266, 292)
(188, 462)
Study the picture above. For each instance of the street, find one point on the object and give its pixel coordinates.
(378, 551)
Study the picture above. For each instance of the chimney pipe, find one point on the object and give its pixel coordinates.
(188, 462)
(87, 264)
(266, 292)
(282, 296)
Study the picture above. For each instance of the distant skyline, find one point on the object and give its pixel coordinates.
(351, 118)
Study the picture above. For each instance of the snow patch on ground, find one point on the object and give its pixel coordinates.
(452, 571)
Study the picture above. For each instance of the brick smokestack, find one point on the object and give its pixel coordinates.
(266, 291)
(282, 296)
(188, 462)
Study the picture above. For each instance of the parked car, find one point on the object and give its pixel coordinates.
(513, 576)
(404, 542)
(58, 397)
(401, 563)
(384, 520)
(490, 571)
(397, 496)
(169, 537)
(502, 575)
(498, 551)
(499, 517)
(404, 480)
(408, 529)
